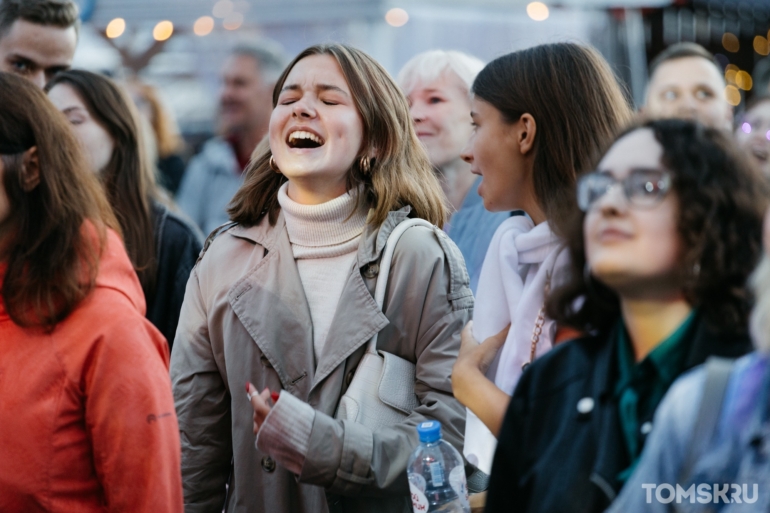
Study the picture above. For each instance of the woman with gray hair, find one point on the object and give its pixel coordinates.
(437, 84)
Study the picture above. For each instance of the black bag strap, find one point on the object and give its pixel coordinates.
(718, 371)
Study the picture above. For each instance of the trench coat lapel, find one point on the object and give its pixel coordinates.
(271, 304)
(357, 317)
(355, 322)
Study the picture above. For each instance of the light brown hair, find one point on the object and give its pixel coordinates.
(52, 261)
(400, 174)
(577, 104)
(127, 178)
(164, 127)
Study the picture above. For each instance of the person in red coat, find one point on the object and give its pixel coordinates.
(87, 419)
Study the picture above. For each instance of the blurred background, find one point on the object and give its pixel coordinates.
(179, 45)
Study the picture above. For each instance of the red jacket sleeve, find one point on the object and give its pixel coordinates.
(131, 421)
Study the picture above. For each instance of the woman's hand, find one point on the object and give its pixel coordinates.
(262, 404)
(470, 385)
(479, 356)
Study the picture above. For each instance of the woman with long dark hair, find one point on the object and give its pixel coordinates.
(668, 231)
(283, 300)
(162, 245)
(541, 116)
(87, 419)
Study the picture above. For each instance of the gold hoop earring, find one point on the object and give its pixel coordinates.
(365, 165)
(273, 166)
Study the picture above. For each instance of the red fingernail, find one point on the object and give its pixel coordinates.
(247, 386)
(274, 396)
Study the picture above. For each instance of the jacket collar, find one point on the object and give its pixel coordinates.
(369, 249)
(611, 455)
(273, 285)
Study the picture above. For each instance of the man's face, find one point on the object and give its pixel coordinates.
(37, 52)
(245, 101)
(689, 88)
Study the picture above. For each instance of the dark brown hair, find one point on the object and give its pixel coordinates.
(577, 104)
(57, 13)
(682, 51)
(400, 174)
(51, 259)
(723, 200)
(127, 178)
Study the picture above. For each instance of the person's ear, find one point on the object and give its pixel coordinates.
(30, 170)
(526, 134)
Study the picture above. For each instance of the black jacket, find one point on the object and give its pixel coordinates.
(553, 458)
(178, 243)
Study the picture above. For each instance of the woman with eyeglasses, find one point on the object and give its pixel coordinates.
(668, 231)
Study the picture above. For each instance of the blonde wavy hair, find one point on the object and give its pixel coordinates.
(400, 173)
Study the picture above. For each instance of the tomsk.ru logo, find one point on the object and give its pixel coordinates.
(704, 493)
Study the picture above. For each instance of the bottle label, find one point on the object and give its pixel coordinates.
(437, 474)
(419, 500)
(459, 485)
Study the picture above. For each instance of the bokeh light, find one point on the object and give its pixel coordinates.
(730, 75)
(203, 26)
(733, 95)
(743, 80)
(538, 11)
(233, 21)
(730, 42)
(761, 45)
(396, 17)
(115, 28)
(163, 30)
(746, 128)
(223, 8)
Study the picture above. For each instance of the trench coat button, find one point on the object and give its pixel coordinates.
(585, 405)
(349, 378)
(372, 270)
(268, 464)
(646, 428)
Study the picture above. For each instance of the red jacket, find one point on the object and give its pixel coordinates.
(87, 421)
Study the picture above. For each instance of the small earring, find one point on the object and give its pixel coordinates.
(273, 166)
(365, 165)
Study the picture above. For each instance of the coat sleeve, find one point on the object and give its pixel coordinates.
(131, 421)
(348, 458)
(203, 407)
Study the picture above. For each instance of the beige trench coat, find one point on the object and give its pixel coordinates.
(245, 318)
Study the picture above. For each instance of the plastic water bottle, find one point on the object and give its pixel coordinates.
(437, 474)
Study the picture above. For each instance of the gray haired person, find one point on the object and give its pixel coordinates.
(245, 103)
(437, 84)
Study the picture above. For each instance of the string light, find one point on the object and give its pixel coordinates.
(115, 28)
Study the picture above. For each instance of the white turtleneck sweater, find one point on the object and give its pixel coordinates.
(324, 239)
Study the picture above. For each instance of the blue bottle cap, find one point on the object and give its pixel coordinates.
(429, 431)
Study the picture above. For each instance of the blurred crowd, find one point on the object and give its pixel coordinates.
(586, 310)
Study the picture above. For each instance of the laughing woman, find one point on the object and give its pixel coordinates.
(283, 299)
